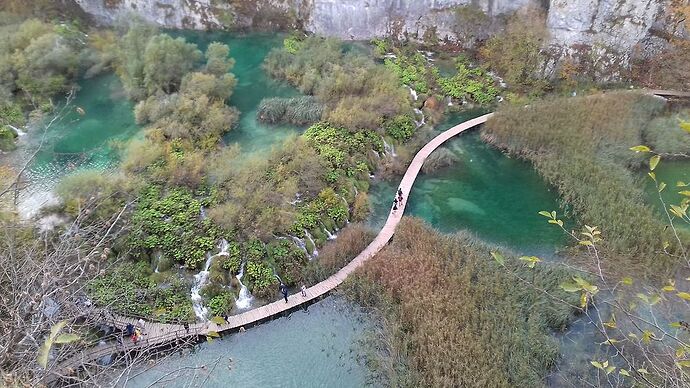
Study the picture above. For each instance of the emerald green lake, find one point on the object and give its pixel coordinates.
(486, 192)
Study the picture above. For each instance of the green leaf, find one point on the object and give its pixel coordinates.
(682, 184)
(530, 260)
(643, 297)
(44, 350)
(570, 287)
(66, 338)
(557, 222)
(662, 186)
(624, 372)
(610, 341)
(683, 295)
(654, 161)
(597, 364)
(610, 369)
(586, 243)
(643, 371)
(684, 363)
(627, 281)
(213, 334)
(652, 175)
(640, 148)
(685, 193)
(675, 325)
(654, 299)
(499, 258)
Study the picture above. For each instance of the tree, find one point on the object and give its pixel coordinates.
(166, 61)
(130, 59)
(218, 61)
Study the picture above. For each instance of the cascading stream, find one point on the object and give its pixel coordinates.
(244, 299)
(200, 281)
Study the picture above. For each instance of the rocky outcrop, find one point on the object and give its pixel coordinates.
(609, 32)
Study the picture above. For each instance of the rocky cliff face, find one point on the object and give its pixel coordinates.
(610, 30)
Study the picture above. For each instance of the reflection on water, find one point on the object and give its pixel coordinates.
(313, 348)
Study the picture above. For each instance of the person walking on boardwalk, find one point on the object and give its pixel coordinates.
(304, 291)
(395, 204)
(284, 291)
(186, 327)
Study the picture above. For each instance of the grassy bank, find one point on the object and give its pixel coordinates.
(581, 146)
(454, 317)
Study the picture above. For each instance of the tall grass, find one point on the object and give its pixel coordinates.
(456, 318)
(295, 110)
(581, 147)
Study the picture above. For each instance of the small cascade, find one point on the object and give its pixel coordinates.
(199, 282)
(18, 131)
(330, 235)
(422, 120)
(202, 213)
(413, 93)
(316, 252)
(388, 148)
(157, 258)
(300, 244)
(244, 299)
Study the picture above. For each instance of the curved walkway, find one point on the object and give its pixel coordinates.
(159, 334)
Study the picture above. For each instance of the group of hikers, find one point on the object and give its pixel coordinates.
(136, 333)
(397, 199)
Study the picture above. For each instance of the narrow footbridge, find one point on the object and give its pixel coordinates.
(160, 334)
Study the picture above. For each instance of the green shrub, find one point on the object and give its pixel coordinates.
(400, 127)
(7, 136)
(221, 304)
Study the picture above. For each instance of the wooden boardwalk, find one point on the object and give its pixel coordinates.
(159, 334)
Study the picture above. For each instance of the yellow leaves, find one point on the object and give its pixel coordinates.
(530, 261)
(610, 341)
(684, 363)
(603, 366)
(679, 211)
(54, 338)
(627, 281)
(612, 322)
(499, 258)
(647, 336)
(218, 320)
(640, 148)
(624, 372)
(670, 287)
(593, 235)
(662, 186)
(654, 161)
(685, 125)
(683, 295)
(552, 217)
(583, 300)
(685, 193)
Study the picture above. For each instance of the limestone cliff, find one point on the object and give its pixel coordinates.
(609, 30)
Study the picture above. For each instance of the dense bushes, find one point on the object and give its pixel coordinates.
(129, 289)
(170, 222)
(454, 317)
(581, 146)
(357, 92)
(665, 136)
(294, 110)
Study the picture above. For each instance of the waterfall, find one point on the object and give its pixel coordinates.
(329, 234)
(413, 93)
(18, 131)
(157, 258)
(202, 213)
(388, 148)
(244, 299)
(316, 252)
(422, 121)
(200, 280)
(300, 244)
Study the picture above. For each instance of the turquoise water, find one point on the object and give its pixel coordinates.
(313, 348)
(90, 140)
(253, 85)
(669, 172)
(486, 192)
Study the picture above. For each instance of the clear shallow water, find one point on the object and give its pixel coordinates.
(316, 348)
(89, 141)
(492, 195)
(249, 52)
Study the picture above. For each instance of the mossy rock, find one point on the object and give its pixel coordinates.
(329, 224)
(164, 263)
(318, 235)
(310, 247)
